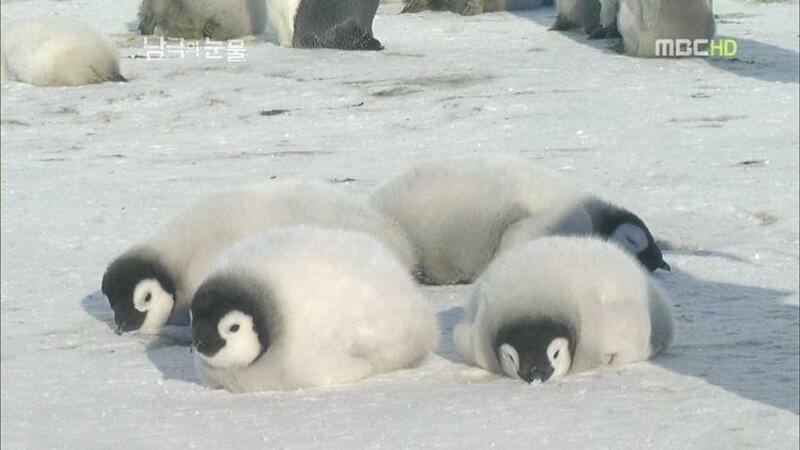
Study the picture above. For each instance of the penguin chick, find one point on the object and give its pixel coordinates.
(340, 24)
(460, 213)
(305, 306)
(563, 305)
(577, 13)
(153, 283)
(642, 22)
(58, 52)
(196, 19)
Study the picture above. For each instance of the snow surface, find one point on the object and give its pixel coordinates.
(706, 151)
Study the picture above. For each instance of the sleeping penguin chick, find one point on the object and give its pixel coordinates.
(642, 22)
(471, 7)
(577, 13)
(305, 306)
(562, 305)
(340, 24)
(460, 213)
(152, 284)
(58, 52)
(196, 19)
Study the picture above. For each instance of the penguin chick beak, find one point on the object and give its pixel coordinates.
(664, 266)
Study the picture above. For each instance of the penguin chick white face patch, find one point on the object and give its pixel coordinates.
(241, 346)
(631, 237)
(150, 298)
(560, 357)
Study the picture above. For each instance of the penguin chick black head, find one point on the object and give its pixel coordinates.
(230, 328)
(534, 350)
(628, 230)
(141, 292)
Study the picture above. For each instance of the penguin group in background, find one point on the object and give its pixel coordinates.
(461, 213)
(336, 24)
(305, 306)
(472, 7)
(153, 283)
(57, 52)
(197, 19)
(562, 305)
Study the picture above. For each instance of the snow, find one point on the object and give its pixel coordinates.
(706, 151)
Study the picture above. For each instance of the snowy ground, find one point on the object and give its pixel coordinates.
(705, 151)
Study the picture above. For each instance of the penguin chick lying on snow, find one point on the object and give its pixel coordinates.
(472, 7)
(58, 52)
(562, 305)
(152, 284)
(460, 213)
(195, 19)
(305, 306)
(339, 24)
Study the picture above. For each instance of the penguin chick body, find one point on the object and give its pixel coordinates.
(304, 306)
(153, 283)
(642, 22)
(58, 52)
(563, 305)
(196, 19)
(460, 213)
(337, 24)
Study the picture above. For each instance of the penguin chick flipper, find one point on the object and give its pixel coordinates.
(561, 24)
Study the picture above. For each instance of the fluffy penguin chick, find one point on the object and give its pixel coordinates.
(194, 19)
(642, 22)
(471, 7)
(340, 24)
(461, 212)
(305, 306)
(561, 305)
(577, 13)
(58, 52)
(153, 283)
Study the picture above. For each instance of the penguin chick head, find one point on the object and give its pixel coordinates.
(629, 231)
(141, 292)
(535, 350)
(229, 329)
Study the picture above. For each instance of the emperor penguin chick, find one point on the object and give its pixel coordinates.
(153, 283)
(58, 52)
(195, 19)
(304, 306)
(643, 22)
(339, 24)
(460, 213)
(562, 305)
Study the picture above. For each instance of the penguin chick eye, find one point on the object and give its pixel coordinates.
(234, 328)
(633, 243)
(555, 355)
(148, 297)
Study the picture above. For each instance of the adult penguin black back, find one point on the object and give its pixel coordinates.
(338, 24)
